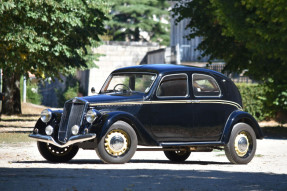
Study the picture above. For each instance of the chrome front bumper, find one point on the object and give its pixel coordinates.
(71, 141)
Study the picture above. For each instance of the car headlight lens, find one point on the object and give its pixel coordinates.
(46, 115)
(91, 115)
(75, 129)
(49, 130)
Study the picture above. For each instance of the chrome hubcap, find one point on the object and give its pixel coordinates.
(116, 142)
(241, 144)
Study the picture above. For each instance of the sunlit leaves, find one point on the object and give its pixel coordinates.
(248, 35)
(145, 20)
(49, 36)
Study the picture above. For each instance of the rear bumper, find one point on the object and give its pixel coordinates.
(71, 141)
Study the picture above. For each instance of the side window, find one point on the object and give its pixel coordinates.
(204, 85)
(173, 86)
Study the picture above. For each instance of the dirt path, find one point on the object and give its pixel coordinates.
(22, 168)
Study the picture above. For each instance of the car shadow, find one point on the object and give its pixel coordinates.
(135, 161)
(136, 179)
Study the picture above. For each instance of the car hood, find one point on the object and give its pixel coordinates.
(107, 98)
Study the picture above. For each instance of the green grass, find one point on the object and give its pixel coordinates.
(259, 155)
(221, 155)
(14, 138)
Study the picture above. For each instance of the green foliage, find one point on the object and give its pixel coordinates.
(32, 92)
(72, 89)
(33, 95)
(248, 35)
(71, 92)
(131, 17)
(48, 37)
(276, 96)
(252, 99)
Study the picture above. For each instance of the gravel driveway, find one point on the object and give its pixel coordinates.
(22, 168)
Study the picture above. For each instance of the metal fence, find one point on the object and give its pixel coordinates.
(235, 77)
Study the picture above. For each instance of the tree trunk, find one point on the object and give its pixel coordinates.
(11, 89)
(137, 34)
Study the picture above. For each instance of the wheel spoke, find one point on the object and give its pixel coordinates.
(57, 150)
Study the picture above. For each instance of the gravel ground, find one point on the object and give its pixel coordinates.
(23, 168)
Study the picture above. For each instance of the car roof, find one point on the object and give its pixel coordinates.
(165, 68)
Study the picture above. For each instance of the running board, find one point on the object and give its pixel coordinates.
(161, 149)
(191, 144)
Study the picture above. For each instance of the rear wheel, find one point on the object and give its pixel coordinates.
(177, 156)
(56, 154)
(118, 145)
(242, 144)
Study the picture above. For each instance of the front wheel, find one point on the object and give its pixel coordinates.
(56, 154)
(177, 156)
(242, 144)
(118, 145)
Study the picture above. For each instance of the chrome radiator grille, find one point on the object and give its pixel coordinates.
(72, 115)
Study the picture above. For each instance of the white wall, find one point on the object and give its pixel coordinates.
(116, 55)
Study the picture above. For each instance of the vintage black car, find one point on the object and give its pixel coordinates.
(173, 108)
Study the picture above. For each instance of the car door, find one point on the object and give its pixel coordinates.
(170, 109)
(210, 110)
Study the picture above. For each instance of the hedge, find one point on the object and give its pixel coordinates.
(252, 99)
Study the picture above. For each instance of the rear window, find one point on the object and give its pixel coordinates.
(204, 85)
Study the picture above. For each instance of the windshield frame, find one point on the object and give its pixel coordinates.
(121, 73)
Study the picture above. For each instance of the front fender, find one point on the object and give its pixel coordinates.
(236, 117)
(144, 138)
(55, 121)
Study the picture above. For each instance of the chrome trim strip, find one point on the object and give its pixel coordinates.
(118, 103)
(71, 141)
(169, 102)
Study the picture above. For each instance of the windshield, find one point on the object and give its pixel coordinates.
(129, 83)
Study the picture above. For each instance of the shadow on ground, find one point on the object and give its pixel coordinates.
(274, 132)
(135, 179)
(89, 161)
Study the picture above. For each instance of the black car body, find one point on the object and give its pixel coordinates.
(180, 108)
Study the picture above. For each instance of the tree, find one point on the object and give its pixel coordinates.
(45, 38)
(145, 20)
(248, 35)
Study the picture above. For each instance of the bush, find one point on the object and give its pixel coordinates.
(32, 92)
(72, 89)
(253, 100)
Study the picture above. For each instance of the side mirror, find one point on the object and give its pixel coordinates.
(93, 90)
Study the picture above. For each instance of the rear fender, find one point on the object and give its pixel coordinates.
(237, 117)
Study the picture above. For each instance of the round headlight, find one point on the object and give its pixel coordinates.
(46, 115)
(91, 115)
(49, 130)
(75, 129)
